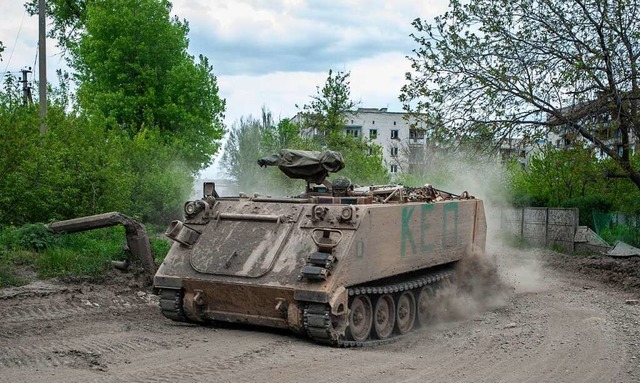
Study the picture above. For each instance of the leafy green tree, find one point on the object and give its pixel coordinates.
(67, 19)
(161, 182)
(573, 178)
(75, 169)
(283, 135)
(253, 138)
(146, 117)
(557, 176)
(324, 118)
(132, 65)
(326, 113)
(526, 67)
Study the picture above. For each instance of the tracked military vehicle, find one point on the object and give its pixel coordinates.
(342, 264)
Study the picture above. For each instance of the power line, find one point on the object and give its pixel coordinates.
(35, 60)
(14, 43)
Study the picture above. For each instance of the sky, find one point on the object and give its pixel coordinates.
(272, 53)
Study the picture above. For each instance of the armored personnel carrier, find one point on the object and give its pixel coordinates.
(345, 265)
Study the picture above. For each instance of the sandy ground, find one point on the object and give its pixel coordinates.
(560, 319)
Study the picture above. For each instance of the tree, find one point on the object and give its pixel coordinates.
(325, 118)
(242, 151)
(68, 17)
(145, 119)
(573, 177)
(557, 176)
(253, 138)
(326, 113)
(283, 135)
(75, 169)
(132, 67)
(526, 67)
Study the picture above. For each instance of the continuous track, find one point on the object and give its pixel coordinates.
(319, 324)
(171, 304)
(321, 327)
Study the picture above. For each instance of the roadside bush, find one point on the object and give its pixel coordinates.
(162, 183)
(626, 233)
(160, 248)
(8, 277)
(33, 237)
(587, 205)
(75, 257)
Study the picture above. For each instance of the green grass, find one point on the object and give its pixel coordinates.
(159, 247)
(558, 249)
(81, 256)
(625, 233)
(8, 276)
(10, 261)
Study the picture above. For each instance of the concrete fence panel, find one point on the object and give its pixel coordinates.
(542, 226)
(534, 225)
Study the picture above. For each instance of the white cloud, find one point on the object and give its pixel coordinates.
(279, 92)
(375, 81)
(259, 36)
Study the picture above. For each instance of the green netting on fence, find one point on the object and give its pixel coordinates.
(617, 227)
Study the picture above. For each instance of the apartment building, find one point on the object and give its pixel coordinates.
(599, 124)
(404, 144)
(393, 131)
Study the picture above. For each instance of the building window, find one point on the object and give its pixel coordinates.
(416, 137)
(370, 150)
(394, 134)
(394, 151)
(394, 123)
(415, 134)
(353, 132)
(394, 168)
(373, 134)
(373, 122)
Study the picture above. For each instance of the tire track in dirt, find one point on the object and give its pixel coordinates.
(41, 310)
(567, 329)
(111, 347)
(185, 369)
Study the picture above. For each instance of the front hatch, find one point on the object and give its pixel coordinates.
(244, 244)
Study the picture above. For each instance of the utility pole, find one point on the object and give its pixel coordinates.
(42, 52)
(26, 89)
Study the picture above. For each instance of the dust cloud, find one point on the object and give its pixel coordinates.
(483, 281)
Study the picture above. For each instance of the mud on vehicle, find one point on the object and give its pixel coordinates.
(343, 264)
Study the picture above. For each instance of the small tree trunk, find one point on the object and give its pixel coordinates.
(635, 178)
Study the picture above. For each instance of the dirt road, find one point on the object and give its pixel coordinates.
(553, 324)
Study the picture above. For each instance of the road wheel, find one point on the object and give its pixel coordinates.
(360, 318)
(384, 316)
(405, 312)
(425, 306)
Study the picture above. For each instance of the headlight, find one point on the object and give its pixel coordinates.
(190, 208)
